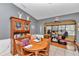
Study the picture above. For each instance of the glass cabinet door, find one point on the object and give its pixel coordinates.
(26, 27)
(18, 25)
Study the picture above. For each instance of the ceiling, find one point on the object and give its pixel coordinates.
(46, 10)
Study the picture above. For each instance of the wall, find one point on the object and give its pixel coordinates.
(37, 27)
(74, 16)
(6, 11)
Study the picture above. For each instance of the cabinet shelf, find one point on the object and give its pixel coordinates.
(21, 31)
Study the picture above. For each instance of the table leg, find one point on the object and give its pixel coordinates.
(36, 53)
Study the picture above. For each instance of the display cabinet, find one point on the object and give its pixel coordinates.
(19, 29)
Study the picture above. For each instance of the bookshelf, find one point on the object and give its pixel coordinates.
(19, 30)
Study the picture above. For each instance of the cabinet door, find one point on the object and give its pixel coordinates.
(27, 26)
(17, 25)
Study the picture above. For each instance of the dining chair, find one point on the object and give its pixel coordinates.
(21, 51)
(45, 51)
(46, 36)
(28, 36)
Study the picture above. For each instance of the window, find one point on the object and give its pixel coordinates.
(54, 28)
(70, 29)
(61, 27)
(48, 28)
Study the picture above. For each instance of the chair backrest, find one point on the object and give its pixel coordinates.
(28, 36)
(19, 48)
(45, 51)
(46, 36)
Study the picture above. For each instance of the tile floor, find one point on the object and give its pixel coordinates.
(53, 51)
(56, 51)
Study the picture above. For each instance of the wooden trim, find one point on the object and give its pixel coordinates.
(56, 23)
(19, 18)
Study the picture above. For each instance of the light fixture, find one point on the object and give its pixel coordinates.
(56, 19)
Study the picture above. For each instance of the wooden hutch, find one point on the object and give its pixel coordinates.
(19, 29)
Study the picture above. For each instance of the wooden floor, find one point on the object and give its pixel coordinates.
(58, 45)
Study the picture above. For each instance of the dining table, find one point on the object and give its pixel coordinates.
(36, 46)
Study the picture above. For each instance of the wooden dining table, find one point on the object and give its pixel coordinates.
(36, 46)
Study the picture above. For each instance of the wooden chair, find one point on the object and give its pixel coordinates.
(45, 51)
(28, 36)
(47, 36)
(20, 50)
